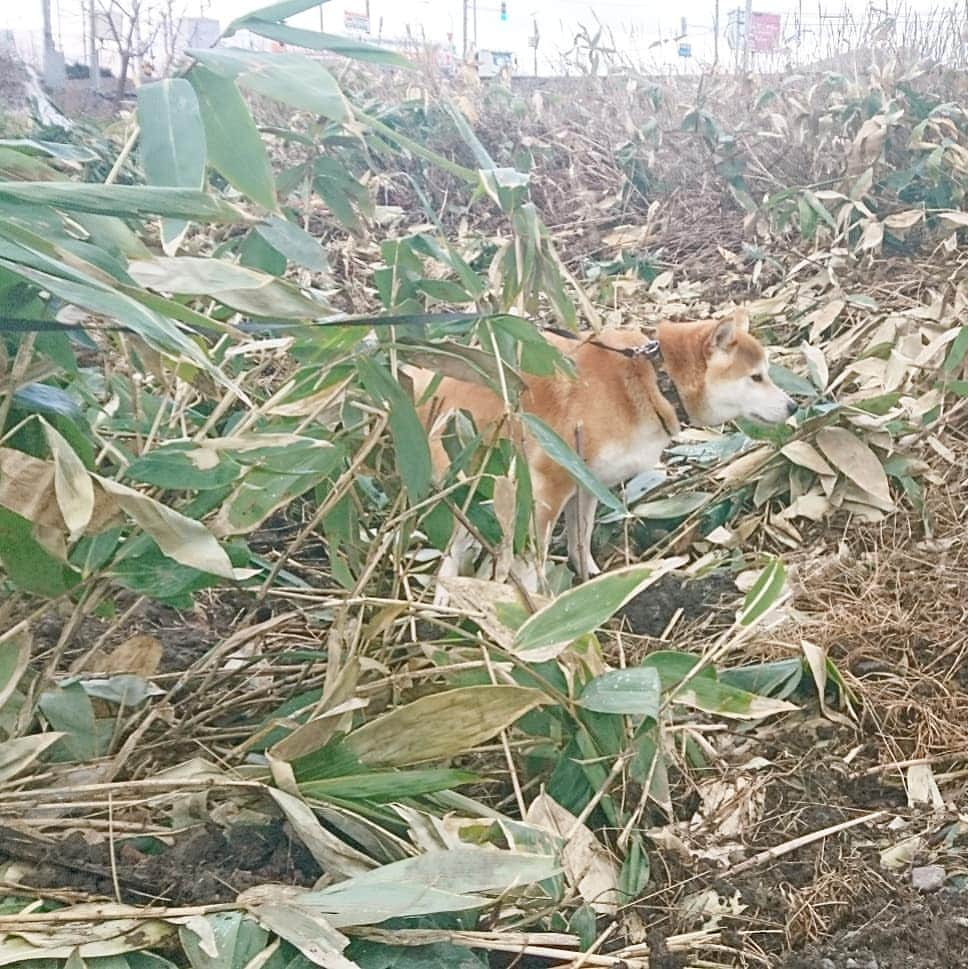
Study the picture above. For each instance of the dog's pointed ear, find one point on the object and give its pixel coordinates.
(723, 336)
(741, 318)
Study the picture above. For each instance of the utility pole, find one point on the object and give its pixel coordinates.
(48, 32)
(464, 25)
(322, 29)
(48, 40)
(747, 23)
(533, 41)
(92, 60)
(716, 36)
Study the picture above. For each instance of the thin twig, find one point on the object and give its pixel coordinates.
(778, 851)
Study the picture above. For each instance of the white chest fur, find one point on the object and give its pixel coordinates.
(618, 461)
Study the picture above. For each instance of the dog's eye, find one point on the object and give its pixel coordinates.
(757, 378)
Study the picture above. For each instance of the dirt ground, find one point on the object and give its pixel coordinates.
(907, 933)
(203, 865)
(888, 608)
(828, 905)
(708, 598)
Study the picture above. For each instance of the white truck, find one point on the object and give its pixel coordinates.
(490, 63)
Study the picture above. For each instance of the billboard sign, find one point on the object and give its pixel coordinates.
(764, 32)
(356, 21)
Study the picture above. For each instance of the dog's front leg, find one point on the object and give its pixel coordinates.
(579, 523)
(454, 560)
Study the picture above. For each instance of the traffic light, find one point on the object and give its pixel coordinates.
(504, 10)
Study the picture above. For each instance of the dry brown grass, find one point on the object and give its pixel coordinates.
(889, 608)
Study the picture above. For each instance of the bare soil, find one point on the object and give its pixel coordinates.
(909, 932)
(202, 865)
(828, 905)
(707, 597)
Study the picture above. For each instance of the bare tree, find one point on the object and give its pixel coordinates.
(172, 15)
(130, 27)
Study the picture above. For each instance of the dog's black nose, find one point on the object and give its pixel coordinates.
(792, 407)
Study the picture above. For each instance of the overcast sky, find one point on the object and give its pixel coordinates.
(644, 31)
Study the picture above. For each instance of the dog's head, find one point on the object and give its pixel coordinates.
(722, 372)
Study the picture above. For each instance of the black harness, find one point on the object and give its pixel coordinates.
(651, 351)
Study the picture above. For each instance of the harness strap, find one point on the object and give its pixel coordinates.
(652, 352)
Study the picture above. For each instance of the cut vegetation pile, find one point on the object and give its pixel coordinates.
(234, 729)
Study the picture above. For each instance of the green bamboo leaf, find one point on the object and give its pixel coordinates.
(444, 290)
(458, 872)
(28, 168)
(173, 310)
(344, 196)
(111, 234)
(481, 154)
(293, 79)
(232, 941)
(297, 245)
(580, 611)
(256, 253)
(29, 249)
(69, 710)
(437, 955)
(196, 275)
(470, 364)
(634, 876)
(14, 656)
(409, 436)
(28, 565)
(157, 331)
(51, 149)
(636, 690)
(44, 399)
(677, 506)
(564, 455)
(705, 691)
(274, 11)
(673, 667)
(390, 785)
(246, 290)
(414, 733)
(125, 200)
(173, 149)
(469, 175)
(183, 466)
(444, 252)
(958, 351)
(778, 678)
(279, 475)
(808, 218)
(146, 570)
(765, 592)
(712, 696)
(313, 40)
(235, 148)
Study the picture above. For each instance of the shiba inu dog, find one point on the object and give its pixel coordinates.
(629, 397)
